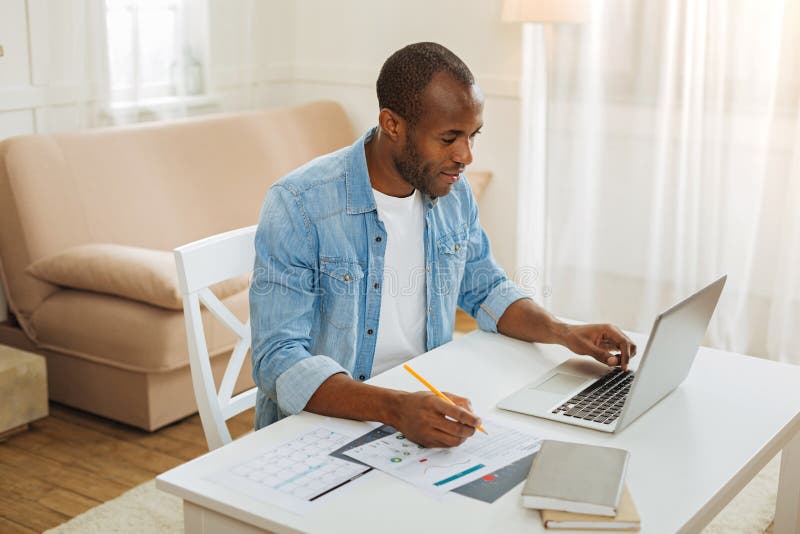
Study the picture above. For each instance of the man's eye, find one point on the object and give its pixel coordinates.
(475, 134)
(448, 140)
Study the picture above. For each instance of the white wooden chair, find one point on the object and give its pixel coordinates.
(202, 264)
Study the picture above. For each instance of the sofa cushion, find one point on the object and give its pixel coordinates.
(124, 333)
(135, 273)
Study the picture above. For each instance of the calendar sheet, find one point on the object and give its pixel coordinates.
(295, 473)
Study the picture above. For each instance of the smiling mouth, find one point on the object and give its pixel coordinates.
(451, 177)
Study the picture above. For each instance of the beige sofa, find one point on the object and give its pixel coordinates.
(154, 187)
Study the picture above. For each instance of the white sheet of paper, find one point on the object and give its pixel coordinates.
(441, 470)
(293, 473)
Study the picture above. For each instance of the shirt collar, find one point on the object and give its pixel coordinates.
(359, 189)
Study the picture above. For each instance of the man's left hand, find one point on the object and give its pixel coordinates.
(604, 342)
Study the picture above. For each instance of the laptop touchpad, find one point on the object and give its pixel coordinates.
(561, 383)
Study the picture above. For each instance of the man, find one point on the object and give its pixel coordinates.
(362, 256)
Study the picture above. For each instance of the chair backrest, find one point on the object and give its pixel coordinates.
(202, 264)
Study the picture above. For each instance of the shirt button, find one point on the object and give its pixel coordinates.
(430, 309)
(362, 377)
(377, 285)
(457, 247)
(428, 268)
(378, 239)
(347, 278)
(369, 331)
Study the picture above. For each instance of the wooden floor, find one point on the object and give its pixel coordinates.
(465, 323)
(72, 461)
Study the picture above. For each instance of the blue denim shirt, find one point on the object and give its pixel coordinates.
(315, 297)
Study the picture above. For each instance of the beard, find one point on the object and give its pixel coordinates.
(414, 171)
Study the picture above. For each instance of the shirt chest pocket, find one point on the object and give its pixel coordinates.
(340, 286)
(452, 254)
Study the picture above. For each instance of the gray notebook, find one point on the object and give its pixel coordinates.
(575, 477)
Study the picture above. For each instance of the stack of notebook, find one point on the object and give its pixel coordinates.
(579, 486)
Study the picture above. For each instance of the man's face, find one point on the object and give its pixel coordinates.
(439, 146)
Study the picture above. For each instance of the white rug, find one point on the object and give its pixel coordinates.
(754, 508)
(144, 510)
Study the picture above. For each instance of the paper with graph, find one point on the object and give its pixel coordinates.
(441, 470)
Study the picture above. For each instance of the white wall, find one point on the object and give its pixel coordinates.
(251, 52)
(45, 75)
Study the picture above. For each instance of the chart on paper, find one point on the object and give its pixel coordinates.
(430, 467)
(441, 470)
(294, 473)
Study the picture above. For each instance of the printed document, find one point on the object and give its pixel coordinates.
(440, 470)
(295, 473)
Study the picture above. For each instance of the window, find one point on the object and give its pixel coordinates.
(150, 52)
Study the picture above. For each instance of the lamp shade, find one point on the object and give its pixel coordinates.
(545, 11)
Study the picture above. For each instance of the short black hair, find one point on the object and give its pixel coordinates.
(407, 72)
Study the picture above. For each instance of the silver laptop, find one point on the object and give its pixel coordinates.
(584, 392)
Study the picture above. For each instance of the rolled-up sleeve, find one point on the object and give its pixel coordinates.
(283, 300)
(485, 292)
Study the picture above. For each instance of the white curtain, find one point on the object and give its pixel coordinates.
(106, 62)
(673, 156)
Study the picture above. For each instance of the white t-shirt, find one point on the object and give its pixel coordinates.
(403, 319)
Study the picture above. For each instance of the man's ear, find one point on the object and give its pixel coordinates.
(392, 125)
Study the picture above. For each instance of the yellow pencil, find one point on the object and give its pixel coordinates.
(434, 390)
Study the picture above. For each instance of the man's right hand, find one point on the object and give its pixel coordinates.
(422, 418)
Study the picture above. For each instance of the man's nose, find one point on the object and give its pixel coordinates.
(463, 152)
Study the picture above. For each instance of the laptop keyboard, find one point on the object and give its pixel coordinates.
(602, 401)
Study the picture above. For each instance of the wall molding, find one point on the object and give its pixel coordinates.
(350, 75)
(18, 98)
(31, 96)
(64, 94)
(248, 75)
(340, 75)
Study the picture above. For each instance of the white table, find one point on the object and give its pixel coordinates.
(690, 454)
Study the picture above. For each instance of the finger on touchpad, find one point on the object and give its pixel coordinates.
(560, 383)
